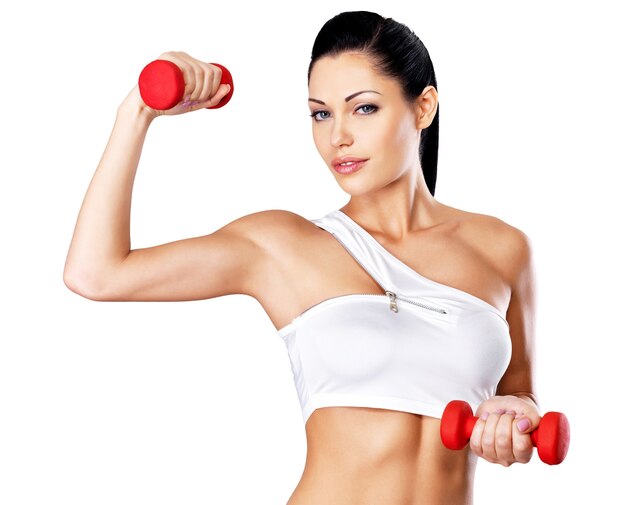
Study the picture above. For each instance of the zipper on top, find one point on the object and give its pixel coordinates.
(393, 305)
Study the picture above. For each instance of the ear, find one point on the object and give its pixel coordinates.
(426, 107)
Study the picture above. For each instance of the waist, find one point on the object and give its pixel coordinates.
(394, 483)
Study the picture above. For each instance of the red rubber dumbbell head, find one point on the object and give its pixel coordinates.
(226, 79)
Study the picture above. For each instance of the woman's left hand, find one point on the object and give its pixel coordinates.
(496, 435)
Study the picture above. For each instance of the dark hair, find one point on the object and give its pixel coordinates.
(395, 51)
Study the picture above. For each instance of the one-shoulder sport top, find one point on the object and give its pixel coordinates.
(413, 349)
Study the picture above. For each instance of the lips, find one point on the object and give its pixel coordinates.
(345, 159)
(350, 168)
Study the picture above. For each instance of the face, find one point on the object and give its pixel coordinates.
(377, 125)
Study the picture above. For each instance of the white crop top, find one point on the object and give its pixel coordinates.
(413, 349)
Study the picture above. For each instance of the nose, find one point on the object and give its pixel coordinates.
(340, 134)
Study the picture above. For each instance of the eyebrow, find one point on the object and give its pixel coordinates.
(348, 98)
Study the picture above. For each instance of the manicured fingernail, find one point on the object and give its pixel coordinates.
(500, 411)
(523, 424)
(510, 412)
(484, 416)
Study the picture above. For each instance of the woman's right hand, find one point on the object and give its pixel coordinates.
(202, 85)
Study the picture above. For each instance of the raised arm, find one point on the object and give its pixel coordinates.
(100, 264)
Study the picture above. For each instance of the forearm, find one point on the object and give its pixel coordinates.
(101, 236)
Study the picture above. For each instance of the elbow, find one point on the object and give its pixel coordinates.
(79, 285)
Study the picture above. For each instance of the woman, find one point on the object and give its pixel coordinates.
(377, 349)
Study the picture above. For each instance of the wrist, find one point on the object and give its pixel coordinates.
(134, 106)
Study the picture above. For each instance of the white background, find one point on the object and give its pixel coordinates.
(193, 402)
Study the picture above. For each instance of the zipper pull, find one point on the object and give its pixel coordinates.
(392, 301)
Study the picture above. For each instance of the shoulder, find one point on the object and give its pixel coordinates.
(284, 245)
(270, 229)
(507, 247)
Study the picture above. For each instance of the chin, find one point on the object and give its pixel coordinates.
(357, 188)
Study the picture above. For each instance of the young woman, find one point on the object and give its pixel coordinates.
(390, 307)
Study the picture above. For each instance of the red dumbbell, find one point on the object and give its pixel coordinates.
(161, 85)
(551, 437)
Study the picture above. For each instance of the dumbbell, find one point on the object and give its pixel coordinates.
(551, 437)
(161, 85)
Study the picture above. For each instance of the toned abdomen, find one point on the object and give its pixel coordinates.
(364, 456)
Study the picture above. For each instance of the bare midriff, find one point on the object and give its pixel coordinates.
(365, 456)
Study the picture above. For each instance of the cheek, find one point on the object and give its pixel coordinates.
(321, 146)
(385, 143)
(402, 141)
(383, 134)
